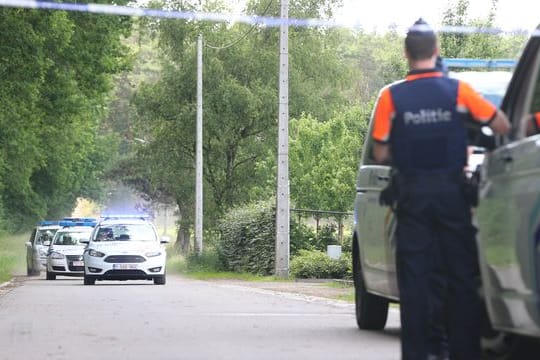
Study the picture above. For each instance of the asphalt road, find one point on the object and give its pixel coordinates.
(185, 319)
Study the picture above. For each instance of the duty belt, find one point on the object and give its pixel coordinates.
(432, 177)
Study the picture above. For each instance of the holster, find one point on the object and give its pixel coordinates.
(470, 186)
(390, 194)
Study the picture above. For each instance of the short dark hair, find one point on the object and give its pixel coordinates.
(421, 41)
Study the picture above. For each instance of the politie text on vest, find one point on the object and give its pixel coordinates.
(427, 116)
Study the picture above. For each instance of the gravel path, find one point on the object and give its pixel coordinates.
(315, 288)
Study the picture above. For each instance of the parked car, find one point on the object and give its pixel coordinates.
(124, 247)
(37, 246)
(508, 219)
(65, 253)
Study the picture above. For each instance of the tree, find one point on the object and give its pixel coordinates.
(56, 70)
(478, 45)
(240, 102)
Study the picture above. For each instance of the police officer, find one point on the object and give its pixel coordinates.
(419, 125)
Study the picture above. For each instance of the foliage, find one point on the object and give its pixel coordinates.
(477, 45)
(240, 103)
(316, 264)
(326, 236)
(302, 237)
(247, 242)
(323, 159)
(12, 255)
(208, 261)
(56, 70)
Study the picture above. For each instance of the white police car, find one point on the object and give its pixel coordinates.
(125, 247)
(65, 253)
(37, 246)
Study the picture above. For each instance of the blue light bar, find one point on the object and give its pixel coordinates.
(48, 223)
(69, 223)
(80, 219)
(125, 216)
(480, 63)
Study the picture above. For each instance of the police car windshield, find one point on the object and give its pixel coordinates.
(126, 232)
(44, 235)
(70, 238)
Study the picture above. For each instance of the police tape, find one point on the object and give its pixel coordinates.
(266, 21)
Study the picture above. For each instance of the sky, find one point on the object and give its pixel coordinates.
(379, 14)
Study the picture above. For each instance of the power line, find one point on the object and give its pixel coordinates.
(242, 37)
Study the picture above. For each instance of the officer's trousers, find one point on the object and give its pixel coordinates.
(436, 243)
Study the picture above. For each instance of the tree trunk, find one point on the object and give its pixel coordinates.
(183, 238)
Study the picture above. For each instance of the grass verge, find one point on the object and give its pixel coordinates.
(207, 267)
(12, 255)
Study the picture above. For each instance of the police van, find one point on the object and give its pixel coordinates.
(37, 246)
(508, 219)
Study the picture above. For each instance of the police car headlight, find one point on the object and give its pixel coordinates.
(153, 253)
(57, 255)
(95, 253)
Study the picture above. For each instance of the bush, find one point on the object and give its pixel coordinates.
(247, 242)
(302, 237)
(316, 264)
(327, 236)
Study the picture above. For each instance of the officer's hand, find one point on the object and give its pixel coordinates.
(500, 124)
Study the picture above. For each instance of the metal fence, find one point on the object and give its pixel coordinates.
(318, 218)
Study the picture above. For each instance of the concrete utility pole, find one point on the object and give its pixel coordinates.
(199, 155)
(282, 215)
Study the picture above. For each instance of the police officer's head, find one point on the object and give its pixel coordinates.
(421, 42)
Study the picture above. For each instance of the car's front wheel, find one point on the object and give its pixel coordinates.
(50, 276)
(88, 280)
(371, 310)
(160, 280)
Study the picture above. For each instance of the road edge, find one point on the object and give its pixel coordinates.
(7, 283)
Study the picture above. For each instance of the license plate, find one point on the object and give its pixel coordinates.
(78, 263)
(124, 266)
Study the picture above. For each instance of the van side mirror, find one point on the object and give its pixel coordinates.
(165, 240)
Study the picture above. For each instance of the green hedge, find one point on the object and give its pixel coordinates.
(247, 242)
(316, 264)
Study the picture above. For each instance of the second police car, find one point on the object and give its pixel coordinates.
(67, 247)
(124, 247)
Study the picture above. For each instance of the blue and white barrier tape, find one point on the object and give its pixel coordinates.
(219, 17)
(480, 63)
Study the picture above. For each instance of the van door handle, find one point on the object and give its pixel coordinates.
(506, 158)
(383, 178)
